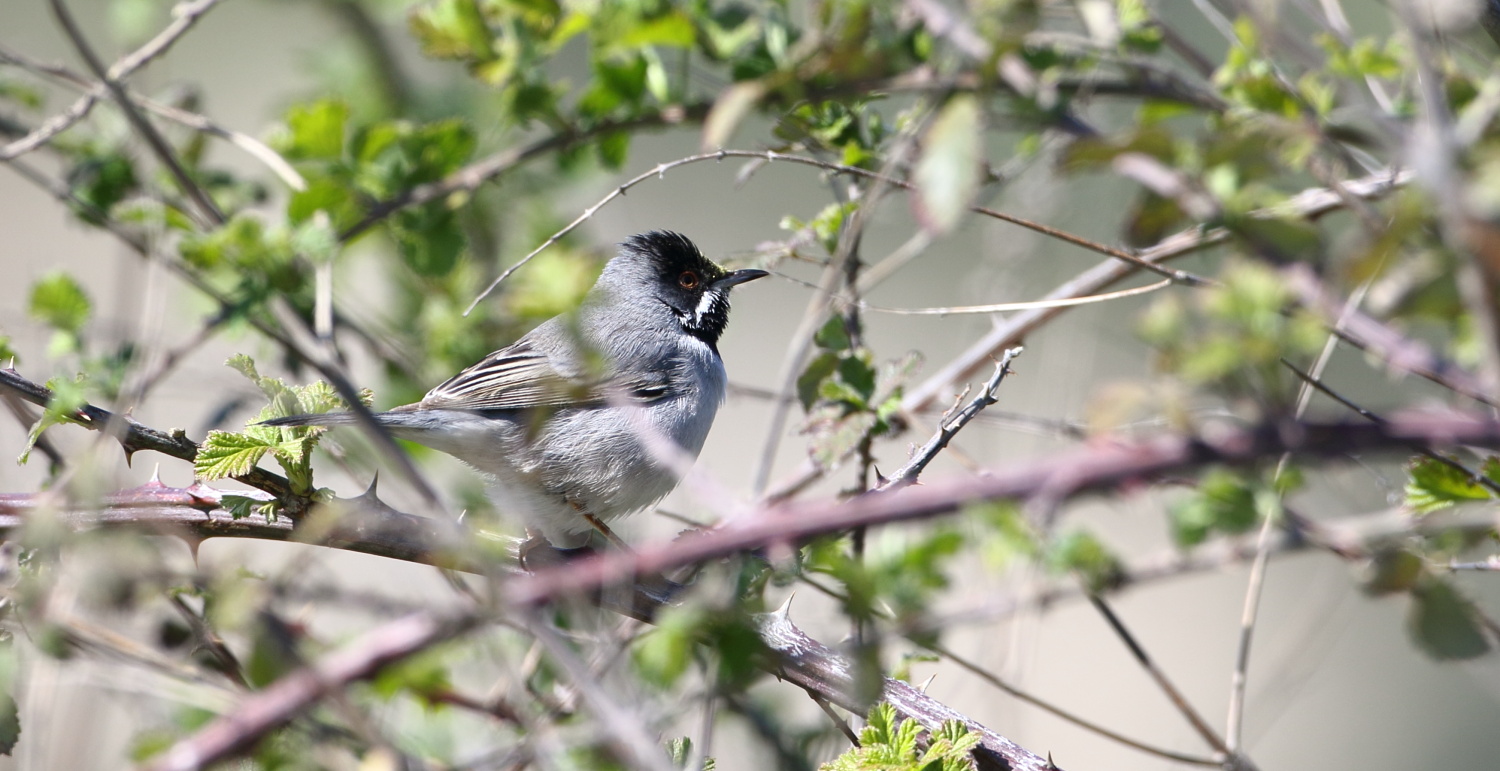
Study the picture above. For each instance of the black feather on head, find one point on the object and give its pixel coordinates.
(681, 278)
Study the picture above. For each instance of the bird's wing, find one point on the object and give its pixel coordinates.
(520, 377)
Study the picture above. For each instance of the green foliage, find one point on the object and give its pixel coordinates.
(10, 715)
(664, 654)
(899, 573)
(227, 454)
(848, 399)
(58, 301)
(1226, 502)
(67, 398)
(1432, 485)
(99, 179)
(1082, 553)
(1232, 339)
(886, 745)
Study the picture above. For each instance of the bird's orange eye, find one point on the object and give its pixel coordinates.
(688, 280)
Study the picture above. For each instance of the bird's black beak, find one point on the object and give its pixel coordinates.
(736, 277)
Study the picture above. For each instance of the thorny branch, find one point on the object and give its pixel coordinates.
(1075, 472)
(948, 428)
(134, 437)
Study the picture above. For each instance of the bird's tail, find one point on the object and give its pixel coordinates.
(324, 419)
(401, 420)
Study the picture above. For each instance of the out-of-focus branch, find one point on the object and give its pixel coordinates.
(184, 17)
(154, 139)
(1309, 204)
(1096, 467)
(192, 120)
(285, 699)
(802, 660)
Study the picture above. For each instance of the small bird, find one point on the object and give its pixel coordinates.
(562, 418)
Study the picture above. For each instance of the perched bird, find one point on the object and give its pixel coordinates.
(563, 419)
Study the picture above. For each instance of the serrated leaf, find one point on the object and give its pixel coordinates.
(1444, 623)
(948, 173)
(1433, 485)
(856, 371)
(836, 390)
(225, 454)
(239, 506)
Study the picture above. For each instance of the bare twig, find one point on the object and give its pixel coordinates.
(154, 139)
(1178, 700)
(192, 120)
(660, 170)
(949, 427)
(184, 17)
(1027, 305)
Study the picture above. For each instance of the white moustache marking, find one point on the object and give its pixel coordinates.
(706, 304)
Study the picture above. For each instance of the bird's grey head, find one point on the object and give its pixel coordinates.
(669, 269)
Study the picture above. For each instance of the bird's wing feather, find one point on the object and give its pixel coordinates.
(521, 377)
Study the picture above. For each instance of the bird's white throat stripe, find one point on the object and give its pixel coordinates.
(706, 304)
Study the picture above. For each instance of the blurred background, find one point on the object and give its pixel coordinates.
(1334, 680)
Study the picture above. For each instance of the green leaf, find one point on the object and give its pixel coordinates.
(452, 29)
(58, 301)
(674, 30)
(1432, 485)
(1079, 551)
(1444, 623)
(240, 506)
(1223, 503)
(833, 335)
(664, 653)
(315, 131)
(885, 745)
(225, 454)
(857, 372)
(614, 149)
(99, 181)
(67, 399)
(810, 382)
(949, 170)
(424, 675)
